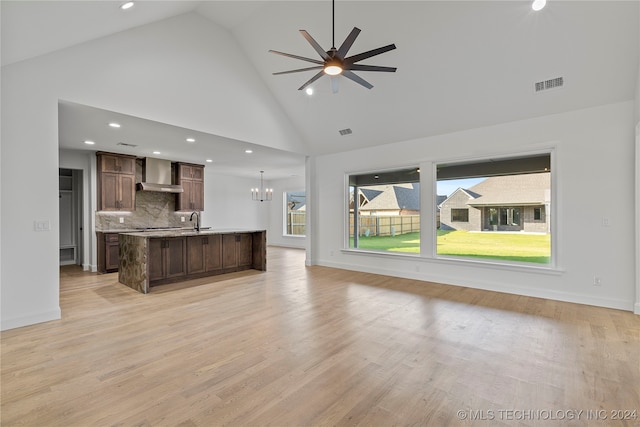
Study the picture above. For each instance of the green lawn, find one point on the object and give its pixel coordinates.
(509, 247)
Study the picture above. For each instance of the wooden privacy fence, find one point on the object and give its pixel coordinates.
(296, 223)
(375, 225)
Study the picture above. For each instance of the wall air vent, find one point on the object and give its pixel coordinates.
(549, 84)
(346, 131)
(124, 144)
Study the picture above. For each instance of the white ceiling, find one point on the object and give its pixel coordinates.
(461, 65)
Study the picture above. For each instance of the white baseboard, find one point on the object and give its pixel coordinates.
(497, 287)
(18, 322)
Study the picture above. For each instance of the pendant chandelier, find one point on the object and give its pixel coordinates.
(262, 194)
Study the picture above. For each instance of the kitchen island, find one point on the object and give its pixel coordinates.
(159, 257)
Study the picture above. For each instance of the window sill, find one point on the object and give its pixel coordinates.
(461, 262)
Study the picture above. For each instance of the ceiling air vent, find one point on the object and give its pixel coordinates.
(549, 84)
(124, 144)
(346, 131)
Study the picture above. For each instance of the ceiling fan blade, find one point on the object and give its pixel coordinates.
(289, 55)
(369, 54)
(334, 84)
(348, 42)
(352, 76)
(298, 70)
(362, 67)
(315, 45)
(312, 79)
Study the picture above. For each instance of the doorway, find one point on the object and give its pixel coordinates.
(71, 216)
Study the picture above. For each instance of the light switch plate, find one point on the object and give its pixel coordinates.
(42, 225)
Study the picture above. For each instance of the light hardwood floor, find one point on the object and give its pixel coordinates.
(300, 346)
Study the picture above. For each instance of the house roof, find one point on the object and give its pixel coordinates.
(392, 197)
(468, 193)
(528, 189)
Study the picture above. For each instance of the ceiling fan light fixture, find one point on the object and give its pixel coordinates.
(538, 5)
(333, 69)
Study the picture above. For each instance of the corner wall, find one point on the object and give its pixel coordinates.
(139, 72)
(594, 175)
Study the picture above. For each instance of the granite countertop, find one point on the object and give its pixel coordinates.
(143, 230)
(187, 232)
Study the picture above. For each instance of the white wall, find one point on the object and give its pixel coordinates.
(228, 203)
(594, 173)
(275, 233)
(140, 72)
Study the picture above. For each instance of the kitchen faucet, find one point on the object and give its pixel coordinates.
(196, 226)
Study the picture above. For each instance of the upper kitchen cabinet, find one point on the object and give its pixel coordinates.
(117, 163)
(116, 182)
(191, 178)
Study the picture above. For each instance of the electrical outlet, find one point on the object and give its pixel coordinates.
(597, 281)
(605, 222)
(181, 219)
(121, 220)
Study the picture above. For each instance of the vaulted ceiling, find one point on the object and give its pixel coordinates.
(461, 64)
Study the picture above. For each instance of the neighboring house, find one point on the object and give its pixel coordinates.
(390, 199)
(500, 203)
(387, 210)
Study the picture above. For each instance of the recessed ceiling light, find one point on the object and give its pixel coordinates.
(538, 4)
(114, 125)
(248, 151)
(191, 140)
(209, 160)
(127, 5)
(89, 142)
(309, 91)
(156, 152)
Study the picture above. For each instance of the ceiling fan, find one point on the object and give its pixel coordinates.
(335, 62)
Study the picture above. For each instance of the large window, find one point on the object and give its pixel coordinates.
(295, 213)
(495, 209)
(384, 211)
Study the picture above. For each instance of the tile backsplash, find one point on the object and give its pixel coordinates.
(153, 209)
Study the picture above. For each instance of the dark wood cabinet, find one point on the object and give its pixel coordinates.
(167, 258)
(191, 178)
(108, 252)
(117, 192)
(116, 182)
(237, 251)
(117, 163)
(156, 260)
(204, 254)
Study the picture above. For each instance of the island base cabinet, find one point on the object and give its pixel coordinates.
(147, 261)
(204, 254)
(237, 252)
(167, 259)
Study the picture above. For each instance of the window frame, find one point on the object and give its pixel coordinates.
(552, 211)
(456, 218)
(428, 221)
(285, 214)
(347, 200)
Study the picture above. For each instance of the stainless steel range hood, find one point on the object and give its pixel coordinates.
(156, 176)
